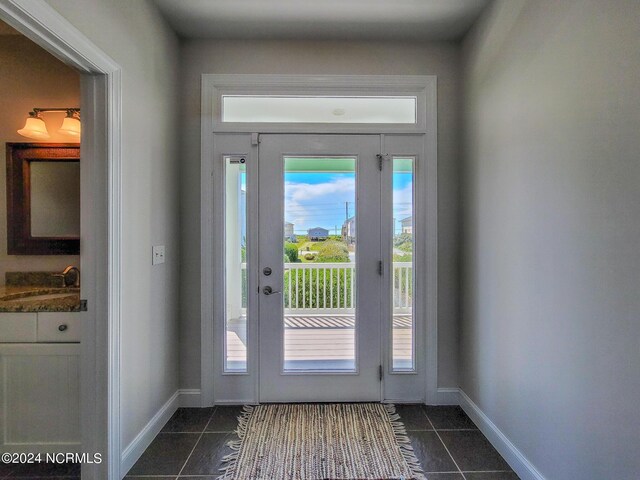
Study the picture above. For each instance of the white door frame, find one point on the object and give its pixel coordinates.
(101, 223)
(214, 86)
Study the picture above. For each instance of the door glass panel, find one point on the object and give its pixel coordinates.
(318, 109)
(235, 360)
(403, 266)
(319, 264)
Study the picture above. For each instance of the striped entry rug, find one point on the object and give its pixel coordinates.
(321, 441)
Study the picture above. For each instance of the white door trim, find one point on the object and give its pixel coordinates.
(233, 387)
(101, 222)
(212, 85)
(410, 386)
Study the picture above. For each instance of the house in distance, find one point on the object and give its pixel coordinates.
(318, 233)
(407, 225)
(288, 232)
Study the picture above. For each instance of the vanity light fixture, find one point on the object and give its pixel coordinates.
(35, 127)
(71, 124)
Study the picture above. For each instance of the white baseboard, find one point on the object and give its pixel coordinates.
(190, 397)
(136, 448)
(237, 402)
(446, 396)
(400, 401)
(514, 457)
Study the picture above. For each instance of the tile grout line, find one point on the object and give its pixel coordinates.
(177, 433)
(443, 444)
(488, 471)
(197, 442)
(215, 409)
(206, 431)
(457, 429)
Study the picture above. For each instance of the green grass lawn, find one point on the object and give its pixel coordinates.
(327, 248)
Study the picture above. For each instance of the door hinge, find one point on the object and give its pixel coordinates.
(380, 372)
(381, 158)
(255, 138)
(84, 305)
(380, 268)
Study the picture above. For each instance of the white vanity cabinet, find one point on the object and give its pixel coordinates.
(58, 327)
(40, 382)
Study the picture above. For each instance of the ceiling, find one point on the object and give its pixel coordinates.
(322, 19)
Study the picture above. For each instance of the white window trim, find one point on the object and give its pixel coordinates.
(417, 86)
(424, 87)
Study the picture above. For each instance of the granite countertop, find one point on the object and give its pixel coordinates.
(39, 299)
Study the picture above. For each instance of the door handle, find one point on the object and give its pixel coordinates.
(269, 291)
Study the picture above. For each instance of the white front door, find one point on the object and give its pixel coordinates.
(319, 253)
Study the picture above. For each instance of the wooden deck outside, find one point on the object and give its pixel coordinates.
(313, 341)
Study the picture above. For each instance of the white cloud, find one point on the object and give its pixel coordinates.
(316, 204)
(323, 204)
(402, 201)
(297, 192)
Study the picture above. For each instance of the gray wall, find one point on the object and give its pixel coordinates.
(136, 37)
(550, 338)
(30, 77)
(328, 57)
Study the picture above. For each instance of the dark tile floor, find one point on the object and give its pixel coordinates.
(449, 445)
(48, 471)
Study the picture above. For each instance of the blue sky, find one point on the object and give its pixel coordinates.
(318, 199)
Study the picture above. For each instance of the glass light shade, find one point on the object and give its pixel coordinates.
(71, 127)
(34, 128)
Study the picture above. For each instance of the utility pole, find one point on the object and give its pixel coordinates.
(346, 208)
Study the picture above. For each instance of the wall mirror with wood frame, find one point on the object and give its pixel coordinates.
(43, 199)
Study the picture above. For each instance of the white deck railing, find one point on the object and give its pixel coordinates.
(402, 286)
(319, 287)
(329, 288)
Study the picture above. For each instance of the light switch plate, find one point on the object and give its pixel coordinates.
(157, 252)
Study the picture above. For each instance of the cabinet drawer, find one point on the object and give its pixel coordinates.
(17, 327)
(59, 327)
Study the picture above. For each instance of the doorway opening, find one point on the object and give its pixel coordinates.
(100, 85)
(313, 280)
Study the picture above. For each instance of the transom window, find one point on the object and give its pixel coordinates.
(319, 109)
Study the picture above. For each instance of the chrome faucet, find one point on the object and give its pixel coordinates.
(71, 276)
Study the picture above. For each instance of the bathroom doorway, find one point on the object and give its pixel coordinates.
(100, 92)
